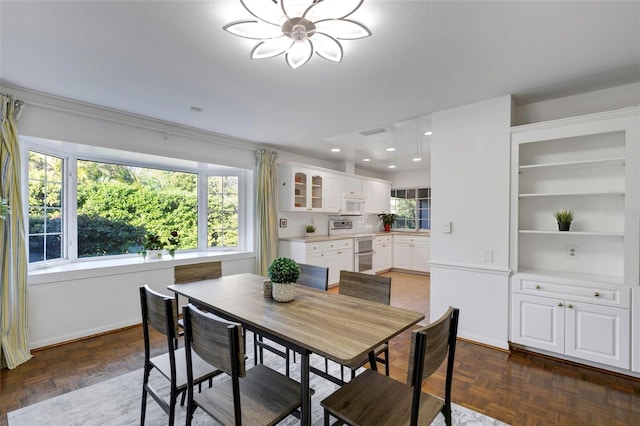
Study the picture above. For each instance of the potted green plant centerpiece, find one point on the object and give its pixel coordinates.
(387, 220)
(564, 218)
(283, 273)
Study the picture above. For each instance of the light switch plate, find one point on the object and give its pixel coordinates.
(447, 228)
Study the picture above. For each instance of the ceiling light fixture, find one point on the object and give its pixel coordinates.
(390, 149)
(392, 166)
(417, 159)
(335, 149)
(427, 133)
(366, 159)
(298, 28)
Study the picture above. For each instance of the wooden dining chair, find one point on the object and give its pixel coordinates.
(374, 399)
(195, 272)
(374, 288)
(158, 313)
(310, 276)
(257, 396)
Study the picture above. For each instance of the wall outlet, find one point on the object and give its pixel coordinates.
(572, 251)
(487, 255)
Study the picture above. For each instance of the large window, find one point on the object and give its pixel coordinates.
(84, 207)
(412, 208)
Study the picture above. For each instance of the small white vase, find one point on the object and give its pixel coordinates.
(283, 292)
(154, 254)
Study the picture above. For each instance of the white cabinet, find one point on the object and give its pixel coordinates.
(377, 195)
(307, 190)
(556, 317)
(351, 187)
(336, 255)
(411, 252)
(575, 299)
(383, 253)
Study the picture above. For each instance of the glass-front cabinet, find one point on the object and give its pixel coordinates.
(306, 190)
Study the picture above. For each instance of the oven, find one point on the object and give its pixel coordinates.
(363, 253)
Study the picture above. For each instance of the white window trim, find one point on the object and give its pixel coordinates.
(68, 151)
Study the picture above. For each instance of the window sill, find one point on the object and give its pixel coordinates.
(122, 265)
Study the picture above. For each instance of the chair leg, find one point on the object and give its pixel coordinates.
(173, 399)
(145, 381)
(286, 360)
(326, 417)
(446, 411)
(386, 362)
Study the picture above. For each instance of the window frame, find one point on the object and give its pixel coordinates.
(71, 152)
(417, 207)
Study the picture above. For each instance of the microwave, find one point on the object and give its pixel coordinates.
(352, 207)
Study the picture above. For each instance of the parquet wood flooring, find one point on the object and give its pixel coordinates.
(517, 388)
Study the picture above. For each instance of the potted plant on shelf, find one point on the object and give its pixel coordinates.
(283, 273)
(153, 247)
(387, 220)
(564, 218)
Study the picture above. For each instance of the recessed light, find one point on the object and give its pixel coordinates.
(417, 159)
(390, 149)
(366, 159)
(392, 166)
(427, 133)
(335, 149)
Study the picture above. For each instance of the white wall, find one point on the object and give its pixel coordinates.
(470, 151)
(411, 178)
(603, 100)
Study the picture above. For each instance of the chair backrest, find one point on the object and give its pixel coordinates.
(313, 276)
(154, 313)
(430, 345)
(215, 340)
(196, 272)
(374, 288)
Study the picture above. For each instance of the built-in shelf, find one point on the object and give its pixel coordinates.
(550, 232)
(575, 277)
(617, 161)
(573, 194)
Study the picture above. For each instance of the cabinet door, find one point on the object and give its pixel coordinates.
(383, 256)
(351, 187)
(345, 261)
(402, 255)
(598, 333)
(538, 322)
(421, 255)
(331, 260)
(376, 196)
(331, 194)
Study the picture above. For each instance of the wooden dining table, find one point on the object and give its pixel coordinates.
(338, 327)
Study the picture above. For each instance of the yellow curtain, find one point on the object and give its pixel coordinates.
(267, 210)
(14, 347)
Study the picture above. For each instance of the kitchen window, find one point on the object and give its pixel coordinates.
(412, 207)
(90, 202)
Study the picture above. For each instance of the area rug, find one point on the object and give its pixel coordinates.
(116, 402)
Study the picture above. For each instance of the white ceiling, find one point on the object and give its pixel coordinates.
(160, 58)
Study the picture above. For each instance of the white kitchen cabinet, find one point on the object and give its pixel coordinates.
(411, 252)
(307, 190)
(383, 253)
(377, 195)
(351, 187)
(560, 321)
(336, 255)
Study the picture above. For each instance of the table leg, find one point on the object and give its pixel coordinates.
(305, 395)
(372, 361)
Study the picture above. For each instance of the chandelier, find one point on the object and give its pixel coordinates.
(298, 28)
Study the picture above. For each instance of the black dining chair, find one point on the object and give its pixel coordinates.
(374, 288)
(158, 313)
(257, 396)
(374, 399)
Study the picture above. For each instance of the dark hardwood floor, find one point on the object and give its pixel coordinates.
(519, 389)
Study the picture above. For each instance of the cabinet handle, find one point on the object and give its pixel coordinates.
(570, 306)
(560, 304)
(339, 252)
(537, 286)
(596, 294)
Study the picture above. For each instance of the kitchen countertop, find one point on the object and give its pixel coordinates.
(321, 238)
